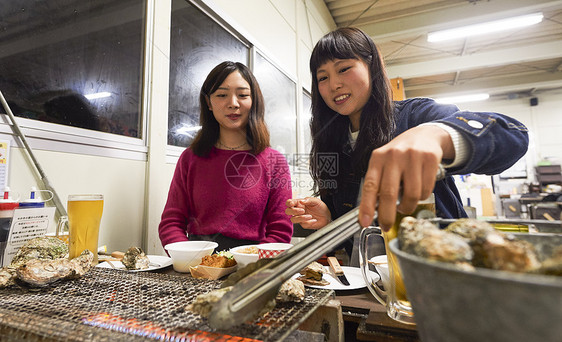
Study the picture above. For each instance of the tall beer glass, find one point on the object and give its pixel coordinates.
(394, 295)
(84, 216)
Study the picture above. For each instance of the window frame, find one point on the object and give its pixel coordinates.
(173, 152)
(61, 138)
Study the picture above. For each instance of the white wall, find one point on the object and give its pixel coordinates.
(544, 122)
(135, 191)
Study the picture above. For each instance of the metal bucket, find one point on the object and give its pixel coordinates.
(486, 305)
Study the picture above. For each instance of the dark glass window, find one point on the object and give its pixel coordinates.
(279, 93)
(74, 62)
(198, 44)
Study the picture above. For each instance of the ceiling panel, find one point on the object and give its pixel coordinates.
(510, 63)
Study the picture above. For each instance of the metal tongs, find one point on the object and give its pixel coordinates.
(251, 294)
(258, 283)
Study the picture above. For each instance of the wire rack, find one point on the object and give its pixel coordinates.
(113, 305)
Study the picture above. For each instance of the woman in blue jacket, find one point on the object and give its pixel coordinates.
(359, 133)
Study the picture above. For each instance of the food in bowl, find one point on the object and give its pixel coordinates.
(187, 254)
(220, 260)
(243, 256)
(214, 266)
(248, 250)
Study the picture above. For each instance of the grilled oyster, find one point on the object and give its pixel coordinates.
(135, 259)
(44, 248)
(495, 249)
(312, 274)
(7, 277)
(553, 264)
(422, 238)
(203, 304)
(291, 291)
(313, 271)
(38, 272)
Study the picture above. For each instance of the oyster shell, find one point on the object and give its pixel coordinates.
(135, 259)
(41, 272)
(291, 291)
(495, 249)
(7, 277)
(44, 248)
(423, 238)
(314, 270)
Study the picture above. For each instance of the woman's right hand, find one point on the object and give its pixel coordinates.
(309, 212)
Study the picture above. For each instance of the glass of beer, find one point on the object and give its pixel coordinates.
(84, 216)
(394, 296)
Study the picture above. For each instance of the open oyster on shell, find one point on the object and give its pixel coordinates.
(135, 259)
(42, 261)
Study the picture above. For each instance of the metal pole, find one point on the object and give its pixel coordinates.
(58, 204)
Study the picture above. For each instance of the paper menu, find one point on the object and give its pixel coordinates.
(26, 224)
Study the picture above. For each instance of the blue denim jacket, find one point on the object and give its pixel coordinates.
(496, 143)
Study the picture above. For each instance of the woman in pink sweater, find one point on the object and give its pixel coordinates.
(229, 186)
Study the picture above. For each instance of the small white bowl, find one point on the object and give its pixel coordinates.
(189, 253)
(381, 264)
(243, 259)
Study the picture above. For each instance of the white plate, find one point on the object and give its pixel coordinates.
(161, 261)
(353, 275)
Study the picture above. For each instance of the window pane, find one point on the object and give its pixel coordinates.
(56, 54)
(280, 106)
(198, 44)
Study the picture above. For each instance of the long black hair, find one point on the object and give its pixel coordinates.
(257, 133)
(329, 129)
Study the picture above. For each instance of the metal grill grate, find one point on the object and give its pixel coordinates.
(112, 305)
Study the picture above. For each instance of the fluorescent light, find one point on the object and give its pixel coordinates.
(463, 98)
(187, 130)
(483, 28)
(97, 95)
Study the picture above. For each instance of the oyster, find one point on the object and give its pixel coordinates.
(495, 249)
(291, 291)
(313, 274)
(45, 248)
(203, 304)
(553, 264)
(313, 271)
(7, 277)
(422, 238)
(135, 259)
(38, 272)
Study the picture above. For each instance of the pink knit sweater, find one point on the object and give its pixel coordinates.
(234, 193)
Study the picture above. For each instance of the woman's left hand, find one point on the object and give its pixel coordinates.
(405, 167)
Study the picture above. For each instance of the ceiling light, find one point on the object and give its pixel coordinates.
(483, 28)
(463, 98)
(97, 95)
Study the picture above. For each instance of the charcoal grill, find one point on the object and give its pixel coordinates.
(112, 305)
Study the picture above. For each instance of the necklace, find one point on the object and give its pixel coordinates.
(231, 148)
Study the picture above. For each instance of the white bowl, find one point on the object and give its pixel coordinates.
(189, 253)
(381, 264)
(243, 259)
